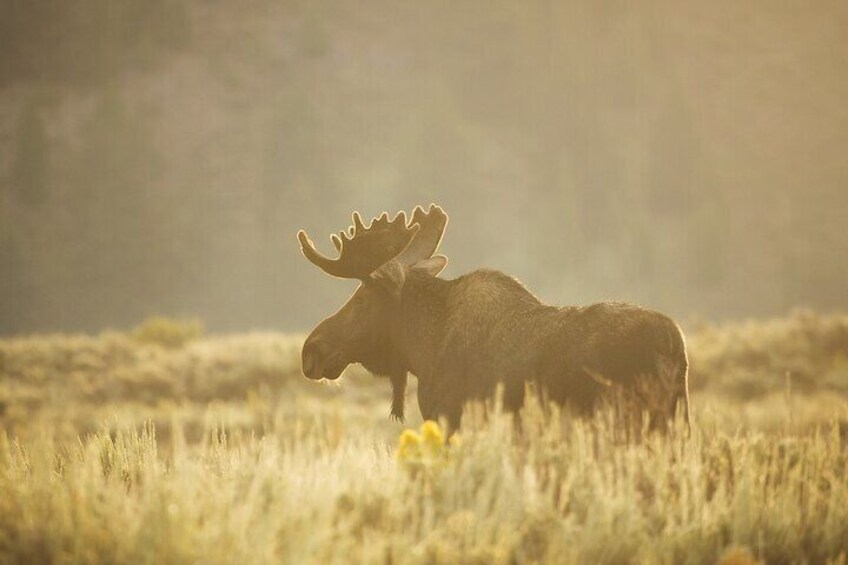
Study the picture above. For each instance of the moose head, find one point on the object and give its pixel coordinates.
(380, 255)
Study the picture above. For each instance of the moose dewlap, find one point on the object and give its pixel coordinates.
(461, 338)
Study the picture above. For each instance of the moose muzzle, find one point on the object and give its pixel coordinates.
(321, 361)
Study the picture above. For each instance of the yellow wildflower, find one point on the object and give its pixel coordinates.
(408, 445)
(424, 449)
(432, 434)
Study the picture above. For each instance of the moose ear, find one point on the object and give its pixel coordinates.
(432, 266)
(390, 276)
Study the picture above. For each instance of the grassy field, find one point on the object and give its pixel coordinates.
(163, 445)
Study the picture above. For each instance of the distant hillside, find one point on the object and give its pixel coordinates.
(159, 156)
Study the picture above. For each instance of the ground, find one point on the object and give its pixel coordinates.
(163, 445)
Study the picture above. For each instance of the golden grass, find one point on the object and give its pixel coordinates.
(114, 449)
(557, 491)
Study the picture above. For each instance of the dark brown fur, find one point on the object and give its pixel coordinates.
(463, 337)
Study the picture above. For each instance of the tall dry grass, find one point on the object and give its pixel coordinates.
(216, 450)
(555, 490)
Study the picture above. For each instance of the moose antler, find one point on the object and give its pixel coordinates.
(362, 250)
(426, 241)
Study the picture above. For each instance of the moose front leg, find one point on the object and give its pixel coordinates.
(437, 400)
(398, 381)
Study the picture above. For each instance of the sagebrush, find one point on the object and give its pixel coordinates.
(218, 451)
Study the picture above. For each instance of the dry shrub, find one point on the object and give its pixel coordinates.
(553, 489)
(167, 332)
(246, 461)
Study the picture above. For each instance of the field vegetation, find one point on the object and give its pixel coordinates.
(163, 445)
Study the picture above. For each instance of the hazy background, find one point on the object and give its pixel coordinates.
(157, 157)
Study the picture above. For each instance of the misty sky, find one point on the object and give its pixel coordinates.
(158, 157)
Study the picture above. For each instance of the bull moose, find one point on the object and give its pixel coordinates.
(462, 338)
